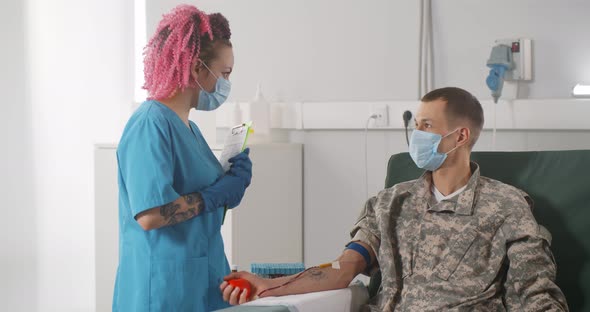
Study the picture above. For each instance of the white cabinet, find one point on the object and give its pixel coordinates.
(266, 227)
(106, 228)
(268, 224)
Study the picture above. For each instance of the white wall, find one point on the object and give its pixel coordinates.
(317, 50)
(349, 50)
(464, 32)
(81, 88)
(18, 237)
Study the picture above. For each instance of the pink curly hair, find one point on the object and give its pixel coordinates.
(181, 37)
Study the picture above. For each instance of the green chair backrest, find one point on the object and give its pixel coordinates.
(559, 184)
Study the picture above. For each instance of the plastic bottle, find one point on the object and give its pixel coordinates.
(260, 115)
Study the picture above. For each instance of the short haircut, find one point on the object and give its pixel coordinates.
(461, 105)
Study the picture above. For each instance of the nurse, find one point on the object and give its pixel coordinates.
(172, 189)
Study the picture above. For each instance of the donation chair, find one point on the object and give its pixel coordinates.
(559, 184)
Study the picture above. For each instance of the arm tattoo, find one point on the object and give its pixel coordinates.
(182, 216)
(174, 214)
(169, 209)
(191, 198)
(195, 200)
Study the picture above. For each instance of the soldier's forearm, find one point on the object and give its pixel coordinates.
(320, 279)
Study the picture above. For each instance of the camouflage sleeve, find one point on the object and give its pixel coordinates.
(366, 230)
(530, 283)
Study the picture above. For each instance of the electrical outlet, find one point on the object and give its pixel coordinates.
(382, 113)
(522, 50)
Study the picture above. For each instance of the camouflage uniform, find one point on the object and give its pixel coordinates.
(481, 250)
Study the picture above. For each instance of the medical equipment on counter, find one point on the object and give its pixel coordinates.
(258, 110)
(273, 270)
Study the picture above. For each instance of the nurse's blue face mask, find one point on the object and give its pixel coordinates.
(209, 101)
(424, 149)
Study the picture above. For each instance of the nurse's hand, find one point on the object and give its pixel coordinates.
(229, 189)
(239, 296)
(241, 166)
(226, 191)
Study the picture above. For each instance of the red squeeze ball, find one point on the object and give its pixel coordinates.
(242, 284)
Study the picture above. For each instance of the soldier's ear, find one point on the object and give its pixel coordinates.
(464, 136)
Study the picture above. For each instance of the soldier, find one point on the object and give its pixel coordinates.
(450, 240)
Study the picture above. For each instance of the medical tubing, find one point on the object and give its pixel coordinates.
(494, 129)
(289, 281)
(428, 76)
(366, 154)
(425, 55)
(420, 35)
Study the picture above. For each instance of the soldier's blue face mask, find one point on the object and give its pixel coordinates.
(424, 149)
(209, 101)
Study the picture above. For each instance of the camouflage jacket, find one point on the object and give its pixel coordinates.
(481, 250)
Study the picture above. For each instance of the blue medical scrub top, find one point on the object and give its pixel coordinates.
(178, 267)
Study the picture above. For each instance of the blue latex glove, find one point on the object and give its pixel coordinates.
(230, 188)
(241, 166)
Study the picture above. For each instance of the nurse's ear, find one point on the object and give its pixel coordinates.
(197, 68)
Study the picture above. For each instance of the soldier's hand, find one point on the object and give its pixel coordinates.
(235, 295)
